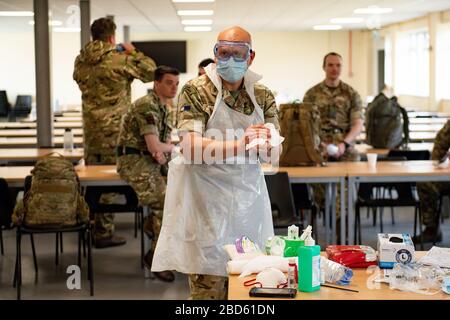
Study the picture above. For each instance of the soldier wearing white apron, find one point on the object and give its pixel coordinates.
(211, 204)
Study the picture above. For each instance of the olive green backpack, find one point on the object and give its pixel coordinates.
(300, 126)
(387, 123)
(54, 198)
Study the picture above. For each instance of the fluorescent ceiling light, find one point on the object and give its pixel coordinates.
(197, 29)
(346, 20)
(66, 29)
(197, 22)
(195, 12)
(52, 23)
(328, 27)
(192, 1)
(373, 10)
(16, 13)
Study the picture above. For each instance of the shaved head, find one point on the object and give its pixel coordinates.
(235, 34)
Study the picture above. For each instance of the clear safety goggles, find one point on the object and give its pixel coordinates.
(240, 51)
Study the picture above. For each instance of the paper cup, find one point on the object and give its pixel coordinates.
(372, 159)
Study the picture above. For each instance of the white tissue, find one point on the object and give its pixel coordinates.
(275, 139)
(332, 149)
(444, 165)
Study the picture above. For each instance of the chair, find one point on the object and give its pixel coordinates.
(93, 195)
(303, 200)
(22, 107)
(5, 106)
(83, 230)
(406, 198)
(281, 200)
(6, 210)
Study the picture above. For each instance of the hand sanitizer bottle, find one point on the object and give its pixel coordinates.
(308, 263)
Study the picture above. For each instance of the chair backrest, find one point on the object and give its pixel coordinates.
(281, 199)
(23, 101)
(411, 154)
(6, 204)
(4, 104)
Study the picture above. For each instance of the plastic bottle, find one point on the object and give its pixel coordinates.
(292, 274)
(308, 263)
(68, 140)
(333, 272)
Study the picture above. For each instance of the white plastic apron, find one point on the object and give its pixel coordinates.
(209, 206)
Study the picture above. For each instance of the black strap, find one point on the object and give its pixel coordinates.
(124, 150)
(405, 125)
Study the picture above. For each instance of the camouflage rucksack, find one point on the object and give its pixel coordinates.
(300, 125)
(54, 198)
(386, 123)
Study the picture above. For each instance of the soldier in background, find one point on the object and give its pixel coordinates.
(104, 73)
(144, 142)
(430, 192)
(203, 64)
(341, 116)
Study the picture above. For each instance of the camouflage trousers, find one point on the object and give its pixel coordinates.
(104, 222)
(145, 177)
(429, 193)
(207, 287)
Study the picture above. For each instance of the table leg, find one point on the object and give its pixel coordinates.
(343, 211)
(333, 212)
(351, 206)
(327, 213)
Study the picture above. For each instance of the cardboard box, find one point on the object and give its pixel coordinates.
(394, 248)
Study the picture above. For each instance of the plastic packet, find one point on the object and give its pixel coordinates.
(417, 278)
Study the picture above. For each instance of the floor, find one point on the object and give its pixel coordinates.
(117, 270)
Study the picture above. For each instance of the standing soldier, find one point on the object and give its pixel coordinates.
(341, 115)
(104, 74)
(429, 192)
(144, 140)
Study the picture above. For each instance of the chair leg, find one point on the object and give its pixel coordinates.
(19, 265)
(57, 250)
(33, 249)
(61, 242)
(90, 263)
(141, 219)
(83, 239)
(136, 218)
(392, 209)
(357, 224)
(420, 226)
(79, 248)
(381, 219)
(415, 223)
(374, 215)
(2, 249)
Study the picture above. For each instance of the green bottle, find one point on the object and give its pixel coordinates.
(308, 263)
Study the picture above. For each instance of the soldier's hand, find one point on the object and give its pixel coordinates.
(254, 132)
(341, 150)
(160, 157)
(129, 48)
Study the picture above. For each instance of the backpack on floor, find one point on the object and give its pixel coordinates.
(54, 198)
(300, 125)
(387, 124)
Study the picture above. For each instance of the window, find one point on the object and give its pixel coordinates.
(412, 75)
(388, 61)
(443, 63)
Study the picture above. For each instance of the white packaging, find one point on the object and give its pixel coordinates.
(394, 248)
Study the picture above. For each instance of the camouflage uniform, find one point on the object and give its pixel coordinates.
(338, 107)
(146, 116)
(429, 192)
(196, 103)
(104, 77)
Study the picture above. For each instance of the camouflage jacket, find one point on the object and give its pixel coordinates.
(104, 77)
(338, 107)
(198, 96)
(441, 143)
(147, 115)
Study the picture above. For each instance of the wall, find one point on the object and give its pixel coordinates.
(291, 62)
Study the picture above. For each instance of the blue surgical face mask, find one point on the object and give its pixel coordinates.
(230, 70)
